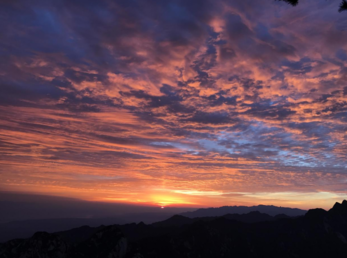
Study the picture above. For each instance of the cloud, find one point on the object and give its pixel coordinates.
(192, 97)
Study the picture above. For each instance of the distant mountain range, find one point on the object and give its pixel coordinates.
(268, 209)
(318, 233)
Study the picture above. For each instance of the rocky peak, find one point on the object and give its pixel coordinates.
(339, 207)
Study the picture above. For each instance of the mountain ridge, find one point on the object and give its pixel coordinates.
(319, 233)
(268, 209)
(26, 228)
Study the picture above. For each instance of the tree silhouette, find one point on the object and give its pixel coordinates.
(292, 2)
(343, 4)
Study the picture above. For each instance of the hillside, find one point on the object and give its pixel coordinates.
(318, 233)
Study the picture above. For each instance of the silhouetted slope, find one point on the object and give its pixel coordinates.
(314, 235)
(107, 242)
(251, 217)
(78, 235)
(174, 221)
(319, 233)
(41, 244)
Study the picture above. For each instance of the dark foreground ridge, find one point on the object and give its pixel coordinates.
(318, 233)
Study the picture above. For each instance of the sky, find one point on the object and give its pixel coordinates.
(174, 103)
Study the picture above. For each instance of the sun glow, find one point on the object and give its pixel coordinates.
(164, 200)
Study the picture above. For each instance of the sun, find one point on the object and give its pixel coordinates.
(164, 200)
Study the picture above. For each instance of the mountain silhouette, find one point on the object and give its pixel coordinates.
(319, 233)
(26, 228)
(268, 209)
(251, 217)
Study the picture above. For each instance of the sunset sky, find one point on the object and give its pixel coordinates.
(186, 103)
